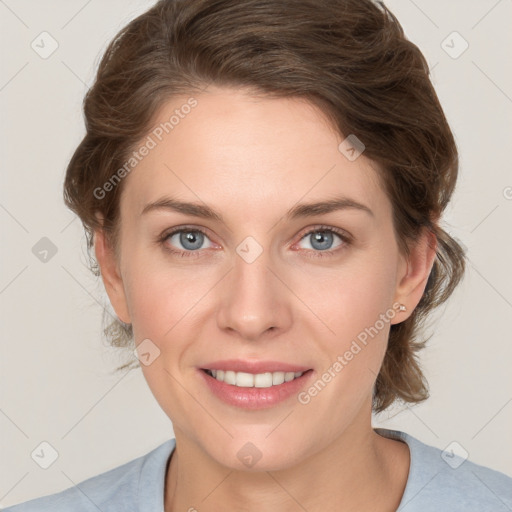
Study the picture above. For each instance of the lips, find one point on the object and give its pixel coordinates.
(254, 367)
(254, 384)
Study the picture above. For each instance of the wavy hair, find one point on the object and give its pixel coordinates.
(349, 58)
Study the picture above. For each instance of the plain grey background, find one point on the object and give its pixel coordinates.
(56, 379)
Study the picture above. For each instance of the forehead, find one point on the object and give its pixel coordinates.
(232, 148)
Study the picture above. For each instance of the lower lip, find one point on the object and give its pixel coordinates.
(255, 398)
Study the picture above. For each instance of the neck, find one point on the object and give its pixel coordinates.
(360, 470)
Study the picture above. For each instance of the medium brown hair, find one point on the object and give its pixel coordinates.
(350, 58)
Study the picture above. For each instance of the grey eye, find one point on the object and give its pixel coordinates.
(189, 240)
(321, 240)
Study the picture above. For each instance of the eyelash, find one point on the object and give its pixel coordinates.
(346, 239)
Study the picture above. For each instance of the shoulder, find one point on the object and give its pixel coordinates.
(120, 488)
(444, 481)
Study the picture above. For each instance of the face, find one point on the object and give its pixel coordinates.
(264, 284)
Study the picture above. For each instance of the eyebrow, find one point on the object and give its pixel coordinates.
(298, 211)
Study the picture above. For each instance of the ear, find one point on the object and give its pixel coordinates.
(109, 267)
(414, 271)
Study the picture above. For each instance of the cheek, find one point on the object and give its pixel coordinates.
(351, 297)
(354, 303)
(159, 299)
(165, 302)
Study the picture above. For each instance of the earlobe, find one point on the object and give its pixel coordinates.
(413, 281)
(111, 275)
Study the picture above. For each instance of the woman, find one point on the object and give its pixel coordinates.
(262, 183)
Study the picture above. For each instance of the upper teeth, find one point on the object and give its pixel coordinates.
(249, 380)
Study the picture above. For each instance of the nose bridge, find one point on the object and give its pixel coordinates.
(253, 300)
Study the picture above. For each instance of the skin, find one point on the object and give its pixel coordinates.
(252, 159)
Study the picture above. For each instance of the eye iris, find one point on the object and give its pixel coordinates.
(323, 238)
(191, 237)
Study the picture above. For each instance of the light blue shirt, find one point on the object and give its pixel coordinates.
(436, 484)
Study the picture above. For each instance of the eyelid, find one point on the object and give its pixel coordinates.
(323, 227)
(190, 228)
(327, 227)
(187, 227)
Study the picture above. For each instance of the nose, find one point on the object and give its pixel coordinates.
(254, 302)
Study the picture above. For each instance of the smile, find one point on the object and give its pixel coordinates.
(250, 380)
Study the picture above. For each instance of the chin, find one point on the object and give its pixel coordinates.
(257, 453)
